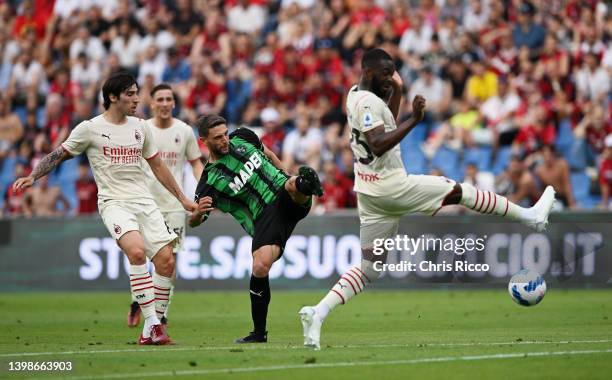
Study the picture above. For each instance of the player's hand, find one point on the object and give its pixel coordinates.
(398, 83)
(418, 108)
(189, 205)
(23, 183)
(205, 205)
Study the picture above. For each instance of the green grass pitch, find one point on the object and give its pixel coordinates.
(454, 334)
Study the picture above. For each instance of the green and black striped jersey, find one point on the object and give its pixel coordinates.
(244, 181)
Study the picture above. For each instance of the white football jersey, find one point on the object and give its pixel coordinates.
(375, 176)
(176, 144)
(115, 152)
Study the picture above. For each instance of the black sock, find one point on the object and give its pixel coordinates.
(260, 299)
(303, 186)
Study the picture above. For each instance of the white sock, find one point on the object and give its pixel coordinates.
(486, 202)
(349, 285)
(141, 286)
(169, 299)
(148, 323)
(162, 293)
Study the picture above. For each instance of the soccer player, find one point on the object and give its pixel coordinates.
(115, 143)
(246, 179)
(385, 191)
(177, 144)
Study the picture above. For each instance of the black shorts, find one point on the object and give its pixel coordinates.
(277, 221)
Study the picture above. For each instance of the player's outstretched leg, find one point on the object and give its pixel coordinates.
(486, 202)
(308, 183)
(351, 283)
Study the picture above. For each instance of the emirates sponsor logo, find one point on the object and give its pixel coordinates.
(368, 177)
(122, 155)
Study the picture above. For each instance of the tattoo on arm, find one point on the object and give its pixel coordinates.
(49, 162)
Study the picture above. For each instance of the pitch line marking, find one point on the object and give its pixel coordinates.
(439, 359)
(293, 347)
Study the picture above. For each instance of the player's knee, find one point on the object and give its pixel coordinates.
(261, 268)
(136, 255)
(367, 267)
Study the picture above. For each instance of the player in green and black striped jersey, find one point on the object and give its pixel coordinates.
(247, 180)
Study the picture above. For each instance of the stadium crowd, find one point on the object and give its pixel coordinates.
(518, 93)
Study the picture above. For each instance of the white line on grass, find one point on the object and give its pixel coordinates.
(337, 365)
(291, 347)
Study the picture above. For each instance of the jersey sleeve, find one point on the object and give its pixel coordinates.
(369, 114)
(192, 152)
(149, 148)
(248, 136)
(202, 189)
(78, 140)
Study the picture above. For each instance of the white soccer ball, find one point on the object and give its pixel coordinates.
(527, 287)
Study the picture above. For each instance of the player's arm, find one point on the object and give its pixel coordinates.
(381, 141)
(274, 159)
(396, 98)
(200, 215)
(197, 167)
(164, 176)
(44, 167)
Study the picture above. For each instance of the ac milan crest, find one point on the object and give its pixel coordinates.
(137, 136)
(117, 228)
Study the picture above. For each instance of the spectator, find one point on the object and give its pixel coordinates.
(518, 184)
(28, 81)
(152, 63)
(57, 126)
(499, 111)
(207, 92)
(88, 44)
(86, 190)
(14, 200)
(127, 45)
(435, 90)
(589, 136)
(481, 85)
(187, 24)
(41, 200)
(527, 33)
(86, 73)
(177, 69)
(476, 17)
(592, 81)
(335, 188)
(11, 129)
(274, 133)
(484, 181)
(605, 175)
(246, 17)
(302, 146)
(554, 170)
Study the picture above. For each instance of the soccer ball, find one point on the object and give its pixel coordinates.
(527, 287)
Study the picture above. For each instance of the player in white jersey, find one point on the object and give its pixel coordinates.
(385, 191)
(177, 144)
(115, 143)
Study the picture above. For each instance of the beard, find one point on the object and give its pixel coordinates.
(381, 90)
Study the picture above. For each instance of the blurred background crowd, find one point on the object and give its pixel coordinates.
(518, 93)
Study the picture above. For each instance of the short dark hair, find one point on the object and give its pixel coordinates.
(372, 58)
(116, 84)
(159, 87)
(206, 122)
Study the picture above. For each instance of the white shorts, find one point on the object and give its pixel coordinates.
(176, 220)
(379, 216)
(120, 217)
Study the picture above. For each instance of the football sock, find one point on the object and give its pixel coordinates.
(141, 285)
(162, 293)
(259, 291)
(486, 202)
(349, 285)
